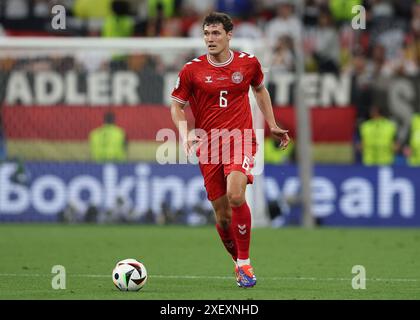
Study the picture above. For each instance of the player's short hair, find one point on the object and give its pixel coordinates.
(219, 17)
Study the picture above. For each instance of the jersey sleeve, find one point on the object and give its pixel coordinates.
(258, 78)
(182, 90)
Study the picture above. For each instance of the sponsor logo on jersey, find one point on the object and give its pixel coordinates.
(208, 79)
(237, 77)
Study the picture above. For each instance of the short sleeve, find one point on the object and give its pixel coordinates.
(182, 89)
(258, 78)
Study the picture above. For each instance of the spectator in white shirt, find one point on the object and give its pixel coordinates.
(284, 24)
(327, 44)
(247, 28)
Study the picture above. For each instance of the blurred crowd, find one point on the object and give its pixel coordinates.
(123, 212)
(389, 45)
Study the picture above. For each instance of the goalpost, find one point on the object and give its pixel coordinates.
(107, 72)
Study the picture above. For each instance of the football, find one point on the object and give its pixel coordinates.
(129, 275)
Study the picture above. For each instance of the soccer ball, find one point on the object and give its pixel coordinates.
(129, 275)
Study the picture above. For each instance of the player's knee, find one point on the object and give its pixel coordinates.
(236, 199)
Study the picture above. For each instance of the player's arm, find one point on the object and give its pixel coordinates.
(180, 96)
(264, 103)
(180, 121)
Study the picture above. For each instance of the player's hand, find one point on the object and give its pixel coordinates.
(191, 143)
(280, 135)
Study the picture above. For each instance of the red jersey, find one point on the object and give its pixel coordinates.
(218, 92)
(218, 96)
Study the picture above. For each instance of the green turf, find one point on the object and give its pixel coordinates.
(290, 263)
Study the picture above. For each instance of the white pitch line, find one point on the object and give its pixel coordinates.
(210, 277)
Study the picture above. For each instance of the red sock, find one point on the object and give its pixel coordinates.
(241, 222)
(228, 239)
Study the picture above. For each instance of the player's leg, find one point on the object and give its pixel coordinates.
(241, 221)
(215, 184)
(241, 215)
(223, 215)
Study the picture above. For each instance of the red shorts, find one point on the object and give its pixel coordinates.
(215, 174)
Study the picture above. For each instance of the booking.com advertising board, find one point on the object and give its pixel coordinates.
(342, 195)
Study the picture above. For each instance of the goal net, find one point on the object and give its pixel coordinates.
(55, 91)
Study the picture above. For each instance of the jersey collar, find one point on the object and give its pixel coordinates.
(222, 64)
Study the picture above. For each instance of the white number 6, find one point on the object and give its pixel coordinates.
(246, 164)
(223, 101)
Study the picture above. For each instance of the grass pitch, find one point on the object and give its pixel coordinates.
(191, 263)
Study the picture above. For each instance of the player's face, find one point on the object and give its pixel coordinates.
(216, 38)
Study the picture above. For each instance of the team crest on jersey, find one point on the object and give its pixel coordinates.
(237, 77)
